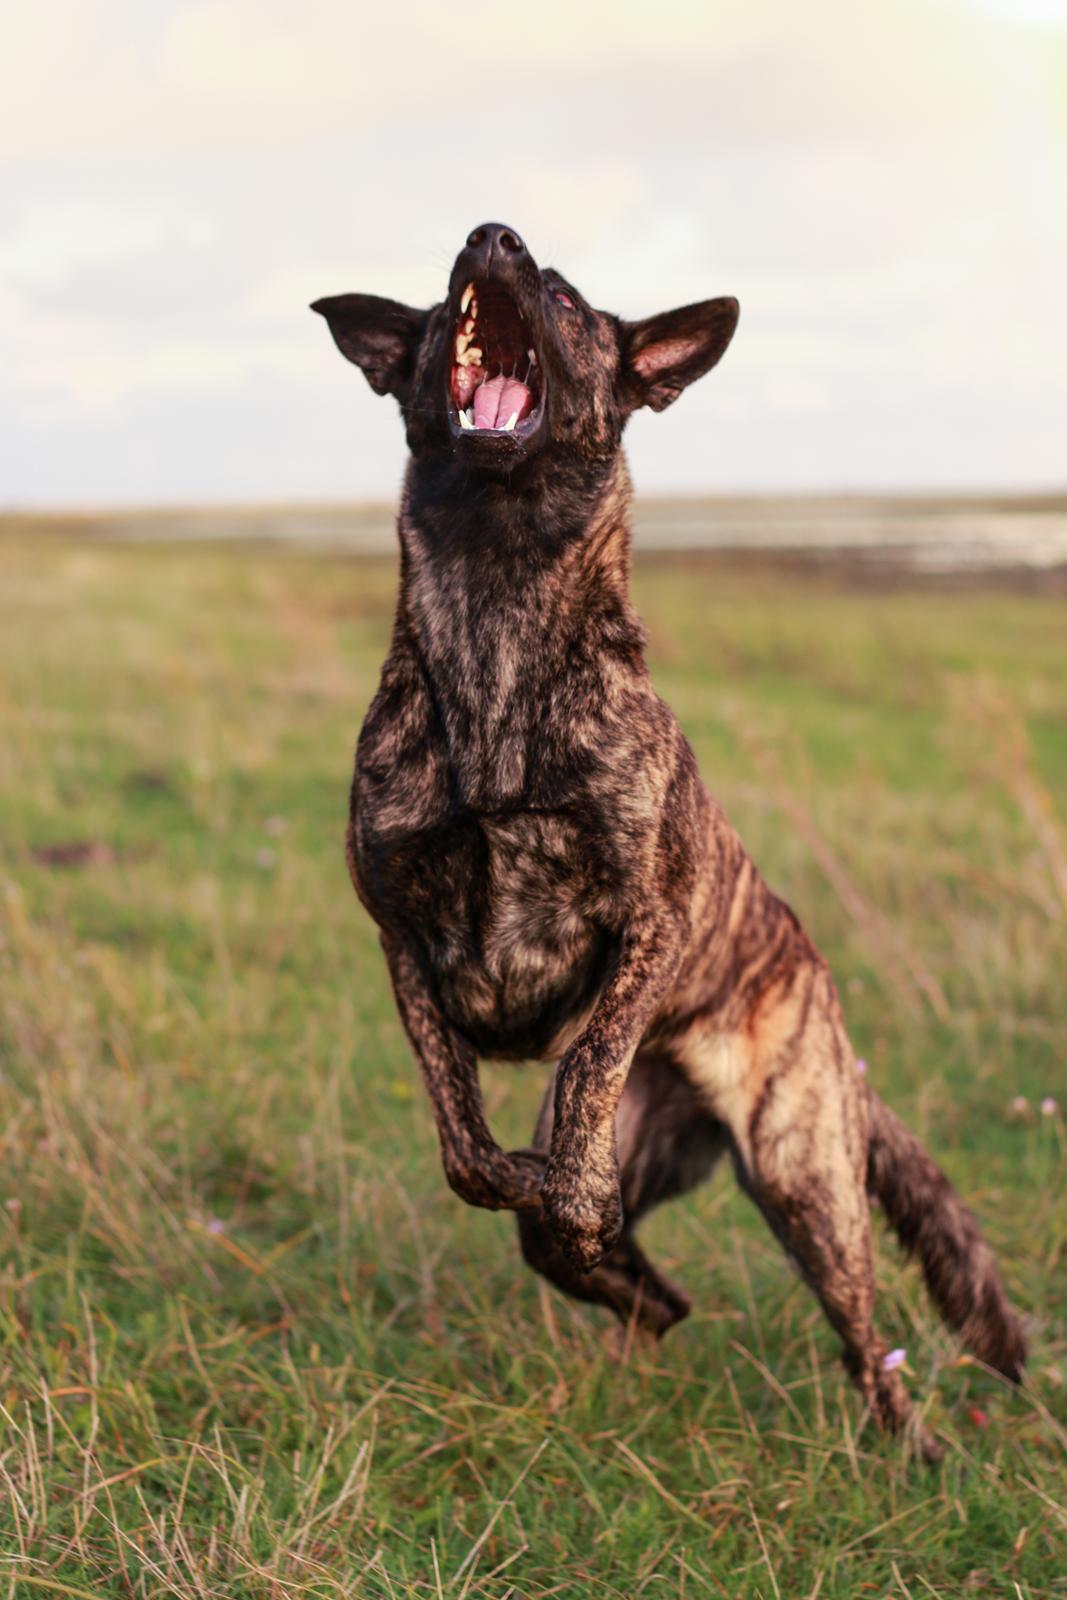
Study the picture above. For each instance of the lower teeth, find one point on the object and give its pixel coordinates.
(467, 421)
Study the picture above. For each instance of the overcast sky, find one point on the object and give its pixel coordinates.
(882, 183)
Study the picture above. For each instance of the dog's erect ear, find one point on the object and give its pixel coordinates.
(663, 355)
(381, 336)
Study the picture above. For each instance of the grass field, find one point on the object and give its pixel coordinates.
(250, 1345)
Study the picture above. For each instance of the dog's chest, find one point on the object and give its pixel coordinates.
(512, 915)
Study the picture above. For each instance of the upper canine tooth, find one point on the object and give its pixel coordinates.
(510, 423)
(466, 300)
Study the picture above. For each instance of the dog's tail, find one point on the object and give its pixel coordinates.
(934, 1224)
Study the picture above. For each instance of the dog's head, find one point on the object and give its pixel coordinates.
(516, 364)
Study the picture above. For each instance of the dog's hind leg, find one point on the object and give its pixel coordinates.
(667, 1142)
(801, 1152)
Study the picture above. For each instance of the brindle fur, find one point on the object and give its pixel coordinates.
(551, 879)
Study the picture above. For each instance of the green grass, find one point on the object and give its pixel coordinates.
(250, 1345)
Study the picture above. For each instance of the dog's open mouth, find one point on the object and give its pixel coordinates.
(496, 381)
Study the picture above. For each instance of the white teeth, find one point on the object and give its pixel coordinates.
(462, 341)
(467, 296)
(468, 326)
(465, 420)
(510, 423)
(468, 356)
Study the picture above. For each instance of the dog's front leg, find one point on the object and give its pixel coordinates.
(475, 1166)
(581, 1194)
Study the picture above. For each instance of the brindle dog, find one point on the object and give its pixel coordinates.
(550, 877)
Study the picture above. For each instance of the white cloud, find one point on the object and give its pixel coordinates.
(1045, 13)
(56, 238)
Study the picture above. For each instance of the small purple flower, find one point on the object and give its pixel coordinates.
(861, 1066)
(1020, 1105)
(895, 1359)
(216, 1225)
(1048, 1106)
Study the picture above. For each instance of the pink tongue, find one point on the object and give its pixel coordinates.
(495, 401)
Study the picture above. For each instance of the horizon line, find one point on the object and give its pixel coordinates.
(377, 503)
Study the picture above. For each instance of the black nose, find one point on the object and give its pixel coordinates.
(494, 240)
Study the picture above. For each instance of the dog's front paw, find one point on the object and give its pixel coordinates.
(585, 1218)
(528, 1171)
(473, 1181)
(495, 1181)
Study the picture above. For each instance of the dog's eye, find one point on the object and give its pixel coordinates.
(562, 298)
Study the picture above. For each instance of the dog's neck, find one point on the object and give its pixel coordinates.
(507, 595)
